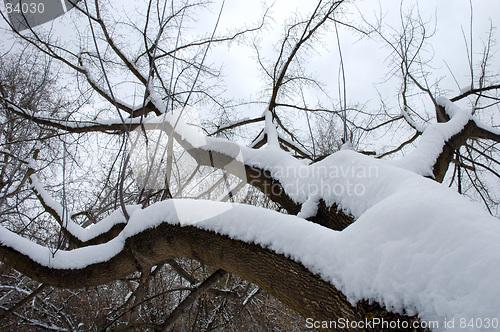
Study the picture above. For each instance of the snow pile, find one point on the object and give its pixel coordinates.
(416, 245)
(74, 259)
(420, 247)
(422, 159)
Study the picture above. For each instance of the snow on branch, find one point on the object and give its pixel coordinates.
(434, 137)
(75, 126)
(416, 245)
(270, 130)
(418, 127)
(329, 179)
(65, 218)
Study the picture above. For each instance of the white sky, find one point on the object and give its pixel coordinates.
(365, 61)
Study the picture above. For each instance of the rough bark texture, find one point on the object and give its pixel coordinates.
(289, 281)
(454, 143)
(331, 217)
(470, 131)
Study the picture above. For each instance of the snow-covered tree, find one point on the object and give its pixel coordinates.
(141, 162)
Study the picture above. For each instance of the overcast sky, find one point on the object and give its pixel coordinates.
(365, 60)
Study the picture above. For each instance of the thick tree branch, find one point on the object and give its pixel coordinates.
(303, 291)
(480, 132)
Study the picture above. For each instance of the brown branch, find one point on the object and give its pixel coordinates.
(180, 271)
(237, 124)
(191, 298)
(75, 127)
(25, 300)
(294, 148)
(475, 91)
(477, 163)
(485, 134)
(74, 241)
(401, 146)
(306, 35)
(26, 177)
(102, 93)
(210, 40)
(287, 280)
(257, 177)
(115, 48)
(450, 147)
(483, 154)
(381, 124)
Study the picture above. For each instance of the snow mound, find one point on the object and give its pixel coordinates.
(416, 245)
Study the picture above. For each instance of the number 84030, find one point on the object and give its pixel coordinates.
(25, 8)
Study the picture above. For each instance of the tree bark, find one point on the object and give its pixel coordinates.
(287, 280)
